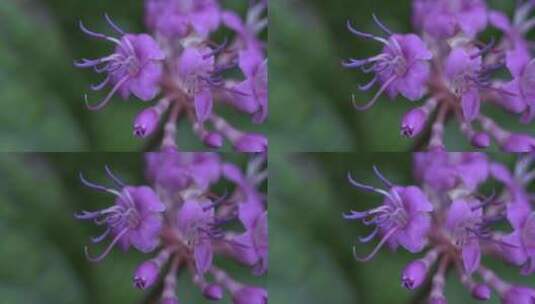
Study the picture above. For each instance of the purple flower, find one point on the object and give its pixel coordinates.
(522, 86)
(463, 73)
(174, 171)
(520, 248)
(445, 18)
(135, 219)
(444, 171)
(252, 93)
(194, 221)
(134, 68)
(403, 218)
(401, 68)
(194, 68)
(463, 223)
(250, 295)
(179, 18)
(182, 215)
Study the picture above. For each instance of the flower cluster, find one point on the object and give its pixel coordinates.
(451, 224)
(181, 66)
(446, 65)
(186, 224)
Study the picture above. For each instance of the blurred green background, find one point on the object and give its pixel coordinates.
(310, 99)
(41, 93)
(41, 249)
(311, 245)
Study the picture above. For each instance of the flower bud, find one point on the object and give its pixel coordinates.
(519, 295)
(251, 143)
(146, 122)
(250, 295)
(480, 140)
(414, 274)
(413, 122)
(146, 274)
(519, 143)
(213, 292)
(213, 140)
(481, 292)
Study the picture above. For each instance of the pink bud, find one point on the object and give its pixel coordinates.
(213, 140)
(413, 122)
(519, 143)
(146, 274)
(146, 122)
(480, 140)
(251, 143)
(481, 292)
(213, 292)
(250, 295)
(414, 274)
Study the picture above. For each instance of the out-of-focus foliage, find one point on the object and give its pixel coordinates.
(41, 250)
(41, 92)
(311, 256)
(311, 107)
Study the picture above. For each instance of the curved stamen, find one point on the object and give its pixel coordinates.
(381, 25)
(366, 187)
(91, 33)
(101, 85)
(113, 177)
(488, 47)
(101, 237)
(217, 50)
(372, 102)
(369, 85)
(92, 185)
(107, 250)
(376, 249)
(113, 25)
(364, 35)
(369, 237)
(383, 179)
(106, 100)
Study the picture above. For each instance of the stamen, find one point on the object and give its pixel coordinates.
(92, 185)
(107, 250)
(105, 101)
(372, 102)
(381, 25)
(369, 85)
(364, 35)
(366, 187)
(101, 85)
(101, 237)
(113, 177)
(369, 237)
(377, 248)
(113, 25)
(383, 179)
